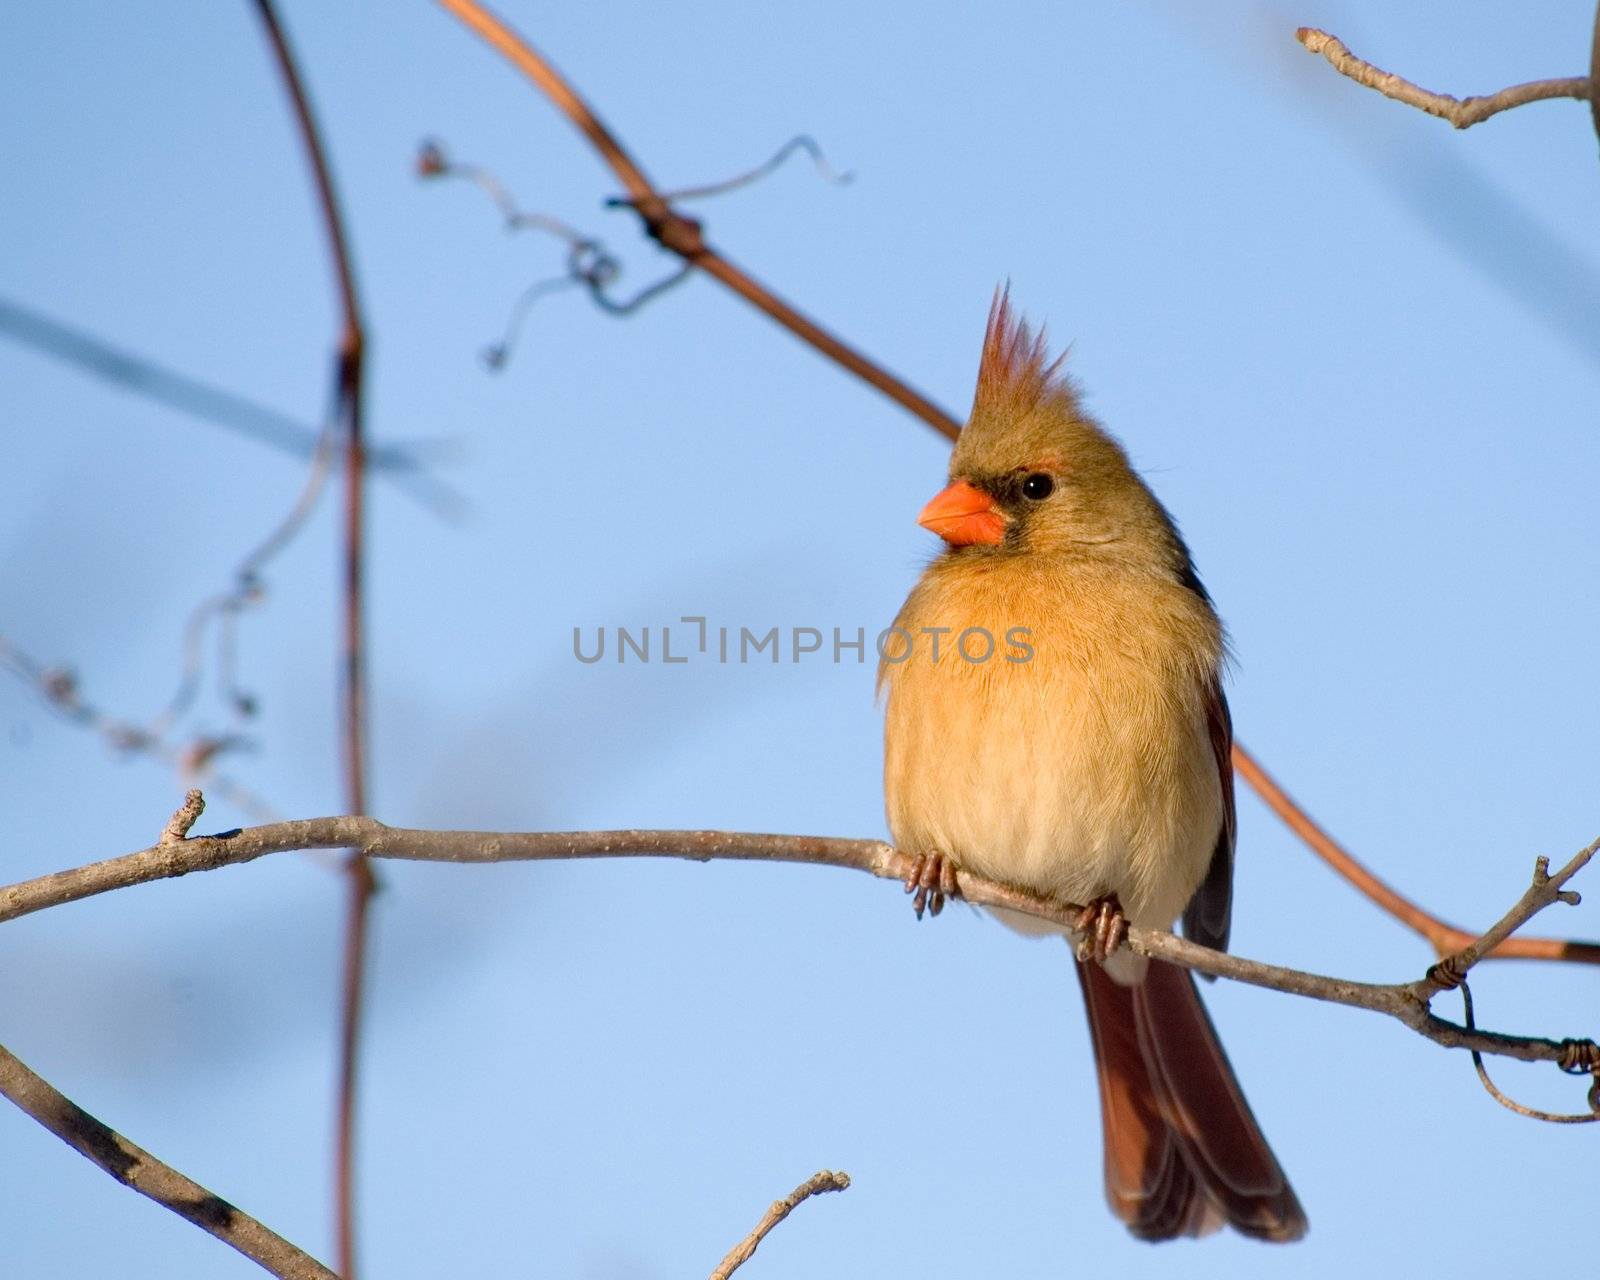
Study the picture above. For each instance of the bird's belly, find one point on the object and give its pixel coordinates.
(1035, 783)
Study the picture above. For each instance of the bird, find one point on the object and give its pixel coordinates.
(1054, 719)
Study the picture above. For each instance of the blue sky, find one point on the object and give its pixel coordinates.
(1353, 349)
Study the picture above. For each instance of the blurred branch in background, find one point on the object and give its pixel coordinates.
(192, 761)
(349, 417)
(405, 465)
(136, 1168)
(61, 688)
(1405, 1001)
(1461, 112)
(248, 589)
(683, 236)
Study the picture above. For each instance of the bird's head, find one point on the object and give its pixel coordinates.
(1031, 472)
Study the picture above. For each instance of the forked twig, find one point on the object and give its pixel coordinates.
(1545, 891)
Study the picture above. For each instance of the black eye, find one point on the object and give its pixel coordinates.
(1038, 486)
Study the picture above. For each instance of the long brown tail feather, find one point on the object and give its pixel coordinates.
(1183, 1153)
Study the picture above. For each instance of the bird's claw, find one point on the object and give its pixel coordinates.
(933, 879)
(1102, 928)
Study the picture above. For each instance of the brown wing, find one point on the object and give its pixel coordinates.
(1207, 918)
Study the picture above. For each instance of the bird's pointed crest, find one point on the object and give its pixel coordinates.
(1015, 373)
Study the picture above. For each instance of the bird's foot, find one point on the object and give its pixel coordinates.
(1101, 928)
(933, 879)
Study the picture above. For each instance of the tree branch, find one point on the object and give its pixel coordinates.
(817, 1184)
(1407, 1002)
(1463, 113)
(350, 394)
(136, 1168)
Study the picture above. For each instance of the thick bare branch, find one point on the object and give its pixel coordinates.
(817, 1184)
(1461, 112)
(136, 1168)
(1407, 1002)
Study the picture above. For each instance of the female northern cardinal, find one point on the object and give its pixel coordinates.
(1070, 736)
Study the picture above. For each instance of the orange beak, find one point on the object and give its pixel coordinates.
(962, 515)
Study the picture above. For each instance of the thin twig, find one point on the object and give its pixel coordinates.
(498, 354)
(183, 818)
(434, 162)
(194, 761)
(802, 142)
(138, 1169)
(223, 608)
(1401, 1001)
(817, 1184)
(248, 589)
(1545, 890)
(1463, 113)
(589, 262)
(683, 236)
(350, 384)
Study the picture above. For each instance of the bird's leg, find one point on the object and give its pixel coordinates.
(933, 879)
(1102, 928)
